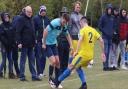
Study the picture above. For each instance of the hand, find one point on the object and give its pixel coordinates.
(103, 57)
(75, 53)
(20, 46)
(44, 46)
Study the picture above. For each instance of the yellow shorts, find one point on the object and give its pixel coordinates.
(80, 61)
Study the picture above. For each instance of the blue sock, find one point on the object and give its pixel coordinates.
(81, 75)
(70, 60)
(65, 74)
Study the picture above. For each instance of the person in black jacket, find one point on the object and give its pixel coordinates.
(25, 35)
(63, 47)
(115, 40)
(40, 21)
(7, 40)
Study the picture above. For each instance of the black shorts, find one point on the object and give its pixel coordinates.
(51, 50)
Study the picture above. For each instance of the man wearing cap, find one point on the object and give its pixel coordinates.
(63, 46)
(106, 26)
(40, 22)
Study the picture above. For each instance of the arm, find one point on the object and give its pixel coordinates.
(69, 41)
(44, 37)
(102, 47)
(19, 28)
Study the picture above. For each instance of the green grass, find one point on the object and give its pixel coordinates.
(96, 79)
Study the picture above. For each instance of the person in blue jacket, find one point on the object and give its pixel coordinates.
(106, 26)
(40, 22)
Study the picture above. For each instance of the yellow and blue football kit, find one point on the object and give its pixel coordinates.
(85, 54)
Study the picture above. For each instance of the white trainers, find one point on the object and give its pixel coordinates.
(60, 86)
(124, 67)
(52, 84)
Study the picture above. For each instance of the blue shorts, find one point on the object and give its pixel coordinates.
(51, 50)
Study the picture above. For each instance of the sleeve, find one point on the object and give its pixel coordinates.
(100, 24)
(97, 35)
(19, 28)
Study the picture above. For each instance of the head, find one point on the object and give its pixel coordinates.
(77, 6)
(42, 10)
(64, 19)
(123, 13)
(28, 11)
(83, 22)
(64, 11)
(5, 17)
(115, 11)
(109, 9)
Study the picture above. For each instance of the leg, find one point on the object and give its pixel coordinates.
(81, 74)
(3, 64)
(15, 60)
(31, 60)
(37, 55)
(22, 63)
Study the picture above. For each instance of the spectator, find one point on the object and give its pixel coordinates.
(123, 32)
(115, 40)
(40, 21)
(25, 35)
(63, 46)
(106, 26)
(7, 40)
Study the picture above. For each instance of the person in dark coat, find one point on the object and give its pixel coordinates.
(7, 40)
(40, 22)
(25, 35)
(63, 47)
(106, 26)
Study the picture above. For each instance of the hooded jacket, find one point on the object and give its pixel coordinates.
(6, 32)
(106, 25)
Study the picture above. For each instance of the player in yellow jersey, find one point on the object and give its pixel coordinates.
(84, 53)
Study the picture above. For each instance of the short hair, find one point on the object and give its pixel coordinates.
(84, 19)
(66, 16)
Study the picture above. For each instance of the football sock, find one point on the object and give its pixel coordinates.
(51, 69)
(70, 60)
(57, 72)
(65, 74)
(81, 75)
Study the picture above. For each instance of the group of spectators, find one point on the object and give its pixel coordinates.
(25, 34)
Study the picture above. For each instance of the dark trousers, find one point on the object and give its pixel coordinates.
(15, 59)
(40, 58)
(63, 50)
(31, 61)
(107, 47)
(6, 54)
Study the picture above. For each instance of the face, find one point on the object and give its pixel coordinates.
(64, 22)
(43, 13)
(81, 23)
(116, 12)
(6, 18)
(109, 10)
(77, 8)
(124, 13)
(28, 13)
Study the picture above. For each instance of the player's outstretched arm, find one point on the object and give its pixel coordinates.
(44, 37)
(102, 47)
